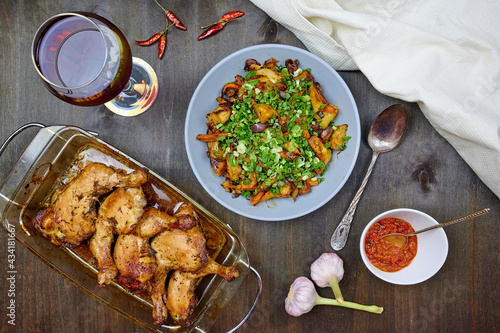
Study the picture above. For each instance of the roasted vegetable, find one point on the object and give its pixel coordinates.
(339, 138)
(271, 134)
(319, 148)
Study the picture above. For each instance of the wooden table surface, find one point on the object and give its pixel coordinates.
(423, 173)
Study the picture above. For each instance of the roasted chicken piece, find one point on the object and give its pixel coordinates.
(181, 299)
(155, 221)
(157, 291)
(100, 246)
(119, 214)
(186, 216)
(70, 217)
(135, 261)
(176, 249)
(132, 254)
(180, 249)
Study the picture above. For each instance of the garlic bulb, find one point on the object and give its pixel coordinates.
(328, 271)
(301, 297)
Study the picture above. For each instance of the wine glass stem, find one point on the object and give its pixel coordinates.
(129, 88)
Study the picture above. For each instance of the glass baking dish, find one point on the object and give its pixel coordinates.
(48, 156)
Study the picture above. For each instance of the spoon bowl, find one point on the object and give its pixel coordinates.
(400, 240)
(385, 134)
(388, 129)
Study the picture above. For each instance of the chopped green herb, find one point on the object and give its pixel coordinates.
(249, 75)
(278, 159)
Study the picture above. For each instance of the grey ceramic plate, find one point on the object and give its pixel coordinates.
(204, 101)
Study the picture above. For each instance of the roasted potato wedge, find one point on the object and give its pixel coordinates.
(264, 112)
(337, 139)
(320, 104)
(220, 115)
(319, 148)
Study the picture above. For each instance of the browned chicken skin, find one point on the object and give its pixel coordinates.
(119, 213)
(180, 249)
(70, 218)
(158, 293)
(185, 251)
(177, 243)
(176, 249)
(100, 246)
(181, 299)
(135, 260)
(155, 221)
(132, 254)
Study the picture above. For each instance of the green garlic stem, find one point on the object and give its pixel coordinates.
(351, 305)
(336, 290)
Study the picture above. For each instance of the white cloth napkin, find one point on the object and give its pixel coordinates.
(444, 55)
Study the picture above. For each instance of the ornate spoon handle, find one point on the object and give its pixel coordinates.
(460, 219)
(339, 237)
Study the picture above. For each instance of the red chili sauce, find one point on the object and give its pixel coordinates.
(384, 255)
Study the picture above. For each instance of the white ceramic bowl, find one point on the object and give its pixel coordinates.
(431, 253)
(204, 101)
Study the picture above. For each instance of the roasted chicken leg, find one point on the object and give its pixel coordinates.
(132, 254)
(176, 249)
(180, 249)
(181, 299)
(70, 218)
(119, 213)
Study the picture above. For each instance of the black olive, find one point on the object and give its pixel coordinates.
(326, 134)
(259, 127)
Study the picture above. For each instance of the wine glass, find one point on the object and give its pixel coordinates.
(85, 60)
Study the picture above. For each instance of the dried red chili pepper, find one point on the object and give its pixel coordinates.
(211, 31)
(162, 35)
(172, 18)
(217, 26)
(161, 46)
(231, 16)
(149, 41)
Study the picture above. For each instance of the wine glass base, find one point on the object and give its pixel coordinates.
(139, 94)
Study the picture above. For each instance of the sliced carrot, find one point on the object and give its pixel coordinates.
(312, 182)
(267, 195)
(210, 137)
(256, 198)
(253, 183)
(306, 134)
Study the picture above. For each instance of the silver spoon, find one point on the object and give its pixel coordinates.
(400, 240)
(385, 134)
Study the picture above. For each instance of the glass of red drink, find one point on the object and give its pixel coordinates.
(85, 60)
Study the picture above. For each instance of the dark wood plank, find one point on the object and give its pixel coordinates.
(424, 173)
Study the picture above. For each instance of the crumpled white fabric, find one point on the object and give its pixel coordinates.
(444, 55)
